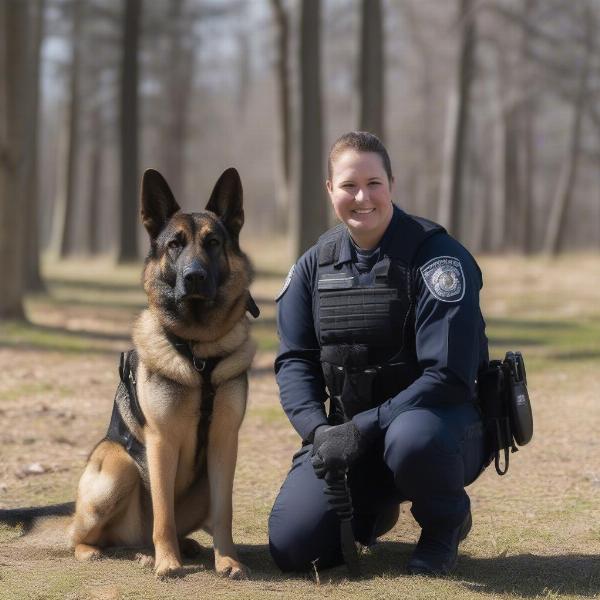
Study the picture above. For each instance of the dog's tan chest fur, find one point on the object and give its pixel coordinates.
(172, 411)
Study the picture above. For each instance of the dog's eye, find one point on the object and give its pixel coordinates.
(213, 242)
(175, 243)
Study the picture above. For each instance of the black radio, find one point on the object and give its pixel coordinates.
(505, 405)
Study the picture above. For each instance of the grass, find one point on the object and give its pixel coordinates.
(536, 532)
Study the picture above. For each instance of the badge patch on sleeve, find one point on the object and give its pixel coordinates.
(286, 283)
(444, 278)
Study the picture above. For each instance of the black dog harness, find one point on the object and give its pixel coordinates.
(126, 400)
(127, 403)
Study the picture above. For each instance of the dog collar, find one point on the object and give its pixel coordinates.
(184, 347)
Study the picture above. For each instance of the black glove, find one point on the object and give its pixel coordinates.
(336, 448)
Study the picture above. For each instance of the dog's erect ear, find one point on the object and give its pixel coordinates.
(226, 202)
(158, 202)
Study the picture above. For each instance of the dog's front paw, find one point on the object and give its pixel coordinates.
(86, 552)
(167, 565)
(145, 560)
(231, 568)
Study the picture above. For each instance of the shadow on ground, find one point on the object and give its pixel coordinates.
(525, 574)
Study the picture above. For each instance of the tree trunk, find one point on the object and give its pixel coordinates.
(451, 200)
(310, 209)
(527, 163)
(526, 176)
(244, 82)
(480, 208)
(178, 81)
(428, 186)
(128, 232)
(498, 208)
(564, 189)
(284, 112)
(95, 180)
(568, 175)
(13, 116)
(372, 69)
(33, 279)
(511, 172)
(64, 204)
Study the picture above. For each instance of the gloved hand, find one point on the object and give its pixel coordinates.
(336, 448)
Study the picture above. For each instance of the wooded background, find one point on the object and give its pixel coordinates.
(490, 110)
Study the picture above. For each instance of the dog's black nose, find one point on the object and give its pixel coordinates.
(194, 276)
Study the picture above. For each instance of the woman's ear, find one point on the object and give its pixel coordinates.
(329, 187)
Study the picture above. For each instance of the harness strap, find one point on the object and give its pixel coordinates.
(206, 409)
(127, 371)
(119, 432)
(126, 398)
(204, 366)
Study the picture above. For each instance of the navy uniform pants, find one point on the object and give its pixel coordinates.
(427, 456)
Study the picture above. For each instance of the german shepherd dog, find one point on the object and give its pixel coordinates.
(181, 478)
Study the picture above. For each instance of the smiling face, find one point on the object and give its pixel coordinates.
(361, 194)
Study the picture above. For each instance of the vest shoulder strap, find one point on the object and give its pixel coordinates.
(329, 245)
(415, 231)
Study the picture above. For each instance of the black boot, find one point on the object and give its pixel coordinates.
(437, 550)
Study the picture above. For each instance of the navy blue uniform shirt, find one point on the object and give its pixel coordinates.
(451, 345)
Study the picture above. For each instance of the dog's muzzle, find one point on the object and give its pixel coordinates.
(198, 282)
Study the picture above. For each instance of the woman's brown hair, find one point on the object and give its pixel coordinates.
(360, 141)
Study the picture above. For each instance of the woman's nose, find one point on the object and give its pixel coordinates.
(361, 195)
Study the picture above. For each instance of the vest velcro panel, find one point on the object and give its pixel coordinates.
(359, 316)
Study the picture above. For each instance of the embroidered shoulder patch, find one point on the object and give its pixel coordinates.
(444, 278)
(286, 283)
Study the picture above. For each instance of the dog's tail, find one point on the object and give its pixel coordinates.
(26, 518)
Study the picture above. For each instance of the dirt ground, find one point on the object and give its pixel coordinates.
(536, 531)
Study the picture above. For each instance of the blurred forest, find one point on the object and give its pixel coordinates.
(490, 110)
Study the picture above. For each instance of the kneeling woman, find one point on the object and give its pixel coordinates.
(382, 316)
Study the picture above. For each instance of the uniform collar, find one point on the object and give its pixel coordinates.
(389, 244)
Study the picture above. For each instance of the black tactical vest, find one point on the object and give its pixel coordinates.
(367, 332)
